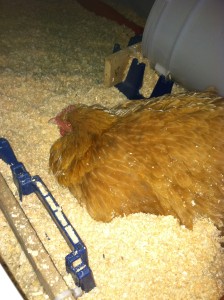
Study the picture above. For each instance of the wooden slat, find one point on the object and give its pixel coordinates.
(116, 63)
(102, 9)
(48, 275)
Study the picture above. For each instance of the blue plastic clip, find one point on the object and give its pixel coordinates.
(77, 261)
(135, 39)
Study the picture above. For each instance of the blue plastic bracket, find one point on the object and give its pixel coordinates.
(163, 86)
(132, 84)
(77, 261)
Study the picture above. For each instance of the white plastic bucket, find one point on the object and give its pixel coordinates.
(185, 38)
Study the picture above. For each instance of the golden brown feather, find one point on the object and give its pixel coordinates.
(161, 156)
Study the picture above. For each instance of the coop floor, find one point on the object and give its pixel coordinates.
(51, 55)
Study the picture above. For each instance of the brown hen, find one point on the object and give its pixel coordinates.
(162, 156)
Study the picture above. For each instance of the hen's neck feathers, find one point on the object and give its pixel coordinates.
(91, 121)
(72, 155)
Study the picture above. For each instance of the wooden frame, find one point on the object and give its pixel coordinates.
(116, 63)
(42, 264)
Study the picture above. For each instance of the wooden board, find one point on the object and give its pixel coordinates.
(48, 275)
(116, 63)
(102, 9)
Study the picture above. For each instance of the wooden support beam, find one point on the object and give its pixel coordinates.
(116, 64)
(43, 266)
(102, 9)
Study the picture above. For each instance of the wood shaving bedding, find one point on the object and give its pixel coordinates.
(52, 55)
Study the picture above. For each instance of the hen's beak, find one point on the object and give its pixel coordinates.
(64, 126)
(53, 121)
